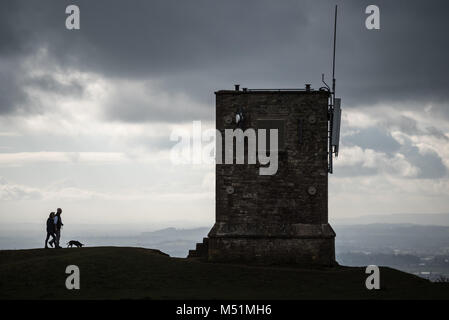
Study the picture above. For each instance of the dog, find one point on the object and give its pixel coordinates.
(72, 243)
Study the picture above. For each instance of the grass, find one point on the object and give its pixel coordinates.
(137, 273)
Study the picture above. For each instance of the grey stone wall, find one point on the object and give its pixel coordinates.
(283, 217)
(264, 250)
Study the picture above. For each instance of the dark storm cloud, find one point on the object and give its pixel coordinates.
(409, 126)
(437, 133)
(150, 103)
(161, 37)
(375, 139)
(12, 98)
(402, 123)
(430, 164)
(404, 61)
(14, 82)
(200, 46)
(48, 83)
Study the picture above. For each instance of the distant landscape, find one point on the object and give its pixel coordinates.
(418, 248)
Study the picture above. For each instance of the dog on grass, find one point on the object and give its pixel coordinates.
(75, 243)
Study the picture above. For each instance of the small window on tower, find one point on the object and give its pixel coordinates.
(268, 124)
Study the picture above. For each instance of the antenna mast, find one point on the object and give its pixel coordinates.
(332, 101)
(333, 60)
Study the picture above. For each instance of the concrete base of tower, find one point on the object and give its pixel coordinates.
(298, 244)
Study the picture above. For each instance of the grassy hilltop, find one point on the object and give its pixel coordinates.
(137, 273)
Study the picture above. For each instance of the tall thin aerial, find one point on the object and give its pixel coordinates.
(334, 108)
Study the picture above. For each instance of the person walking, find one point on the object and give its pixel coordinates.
(50, 230)
(58, 226)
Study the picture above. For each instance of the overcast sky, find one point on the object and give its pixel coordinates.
(86, 115)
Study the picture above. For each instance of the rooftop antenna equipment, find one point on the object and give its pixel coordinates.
(334, 109)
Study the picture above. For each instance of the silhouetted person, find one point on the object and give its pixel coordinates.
(50, 229)
(58, 226)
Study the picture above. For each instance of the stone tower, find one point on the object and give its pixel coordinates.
(280, 218)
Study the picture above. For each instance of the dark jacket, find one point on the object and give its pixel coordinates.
(50, 225)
